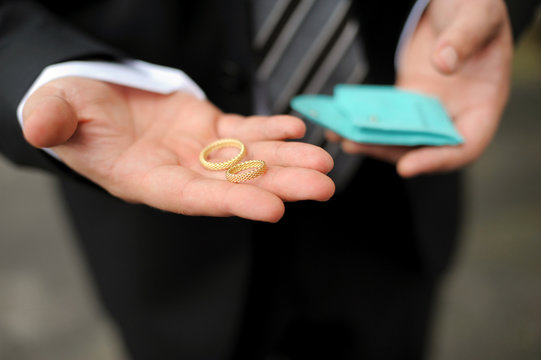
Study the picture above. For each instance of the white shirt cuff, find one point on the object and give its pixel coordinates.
(133, 73)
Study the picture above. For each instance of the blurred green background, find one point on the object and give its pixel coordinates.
(491, 304)
(490, 307)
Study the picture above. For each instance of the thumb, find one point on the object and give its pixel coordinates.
(48, 118)
(474, 25)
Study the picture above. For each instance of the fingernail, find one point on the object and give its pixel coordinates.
(450, 57)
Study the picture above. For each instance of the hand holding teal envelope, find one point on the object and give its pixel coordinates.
(380, 115)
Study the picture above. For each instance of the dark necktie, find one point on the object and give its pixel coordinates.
(307, 46)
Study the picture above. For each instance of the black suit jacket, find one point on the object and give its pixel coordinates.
(202, 38)
(204, 265)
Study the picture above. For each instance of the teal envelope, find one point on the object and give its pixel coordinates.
(381, 115)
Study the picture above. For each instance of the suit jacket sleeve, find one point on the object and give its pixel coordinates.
(31, 38)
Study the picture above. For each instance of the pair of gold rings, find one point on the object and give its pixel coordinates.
(235, 169)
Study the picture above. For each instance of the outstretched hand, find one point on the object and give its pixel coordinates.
(461, 52)
(144, 148)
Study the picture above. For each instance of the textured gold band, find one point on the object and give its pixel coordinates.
(218, 145)
(258, 168)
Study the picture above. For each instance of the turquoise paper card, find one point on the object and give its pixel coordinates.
(381, 115)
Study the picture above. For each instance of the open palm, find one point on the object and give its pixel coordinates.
(144, 147)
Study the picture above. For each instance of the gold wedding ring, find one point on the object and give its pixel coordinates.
(234, 174)
(218, 145)
(235, 171)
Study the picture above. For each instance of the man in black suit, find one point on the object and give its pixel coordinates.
(353, 277)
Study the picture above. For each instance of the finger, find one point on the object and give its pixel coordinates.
(295, 171)
(295, 184)
(386, 153)
(48, 118)
(477, 128)
(289, 183)
(332, 136)
(176, 189)
(474, 25)
(431, 160)
(294, 154)
(254, 128)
